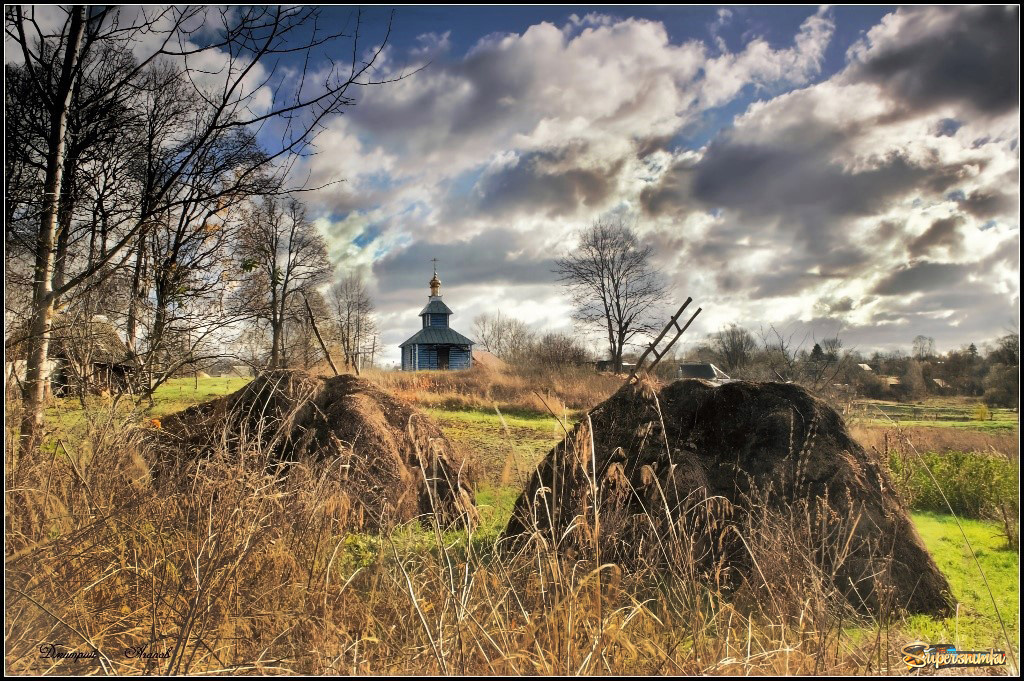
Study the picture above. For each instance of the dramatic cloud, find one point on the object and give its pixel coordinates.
(927, 57)
(879, 198)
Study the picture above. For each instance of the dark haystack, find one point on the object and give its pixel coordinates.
(720, 469)
(394, 463)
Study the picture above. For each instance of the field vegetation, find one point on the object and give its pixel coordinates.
(229, 571)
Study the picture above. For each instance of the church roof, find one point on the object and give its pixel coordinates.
(437, 335)
(436, 306)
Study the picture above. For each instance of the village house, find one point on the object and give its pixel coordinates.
(83, 356)
(90, 356)
(436, 346)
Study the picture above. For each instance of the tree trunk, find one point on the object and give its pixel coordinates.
(64, 214)
(42, 286)
(136, 294)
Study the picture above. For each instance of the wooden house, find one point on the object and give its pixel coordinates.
(83, 356)
(89, 356)
(436, 345)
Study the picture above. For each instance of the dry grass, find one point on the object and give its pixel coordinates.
(567, 388)
(231, 566)
(938, 440)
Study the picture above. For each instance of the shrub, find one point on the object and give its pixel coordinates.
(976, 484)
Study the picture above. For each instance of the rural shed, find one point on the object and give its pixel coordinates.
(89, 355)
(436, 345)
(704, 370)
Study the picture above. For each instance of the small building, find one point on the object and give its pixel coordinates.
(609, 365)
(866, 367)
(436, 345)
(890, 382)
(703, 370)
(89, 356)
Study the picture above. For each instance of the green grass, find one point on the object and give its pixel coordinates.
(981, 426)
(977, 625)
(938, 412)
(975, 484)
(181, 393)
(505, 447)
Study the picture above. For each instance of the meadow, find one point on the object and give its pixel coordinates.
(234, 574)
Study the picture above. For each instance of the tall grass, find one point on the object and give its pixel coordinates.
(572, 388)
(233, 564)
(974, 484)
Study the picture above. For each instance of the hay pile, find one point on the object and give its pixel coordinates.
(393, 462)
(725, 470)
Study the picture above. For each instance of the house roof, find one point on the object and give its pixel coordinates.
(437, 335)
(705, 370)
(865, 367)
(96, 340)
(435, 306)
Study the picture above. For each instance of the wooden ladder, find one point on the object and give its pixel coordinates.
(653, 347)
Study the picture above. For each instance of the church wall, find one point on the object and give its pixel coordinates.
(459, 359)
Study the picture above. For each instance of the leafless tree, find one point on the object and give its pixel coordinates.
(613, 284)
(116, 48)
(505, 337)
(354, 321)
(300, 346)
(780, 354)
(924, 347)
(285, 254)
(734, 347)
(555, 349)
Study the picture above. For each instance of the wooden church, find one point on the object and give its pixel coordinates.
(436, 345)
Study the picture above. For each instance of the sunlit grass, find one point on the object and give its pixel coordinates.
(365, 615)
(977, 625)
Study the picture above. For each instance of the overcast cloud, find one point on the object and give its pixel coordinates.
(879, 198)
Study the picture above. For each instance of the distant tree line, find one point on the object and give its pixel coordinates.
(512, 341)
(991, 373)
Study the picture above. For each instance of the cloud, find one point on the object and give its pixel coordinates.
(944, 232)
(834, 202)
(498, 256)
(922, 276)
(928, 57)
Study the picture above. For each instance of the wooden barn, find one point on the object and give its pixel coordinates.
(89, 356)
(436, 345)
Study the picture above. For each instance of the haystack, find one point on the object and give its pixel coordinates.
(395, 463)
(487, 360)
(716, 465)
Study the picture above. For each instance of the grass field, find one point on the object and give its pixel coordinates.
(505, 445)
(977, 625)
(936, 412)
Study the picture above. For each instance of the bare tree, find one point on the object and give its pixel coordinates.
(285, 254)
(127, 43)
(614, 287)
(352, 310)
(780, 354)
(733, 347)
(924, 347)
(557, 350)
(503, 336)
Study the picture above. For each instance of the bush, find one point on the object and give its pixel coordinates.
(977, 485)
(1002, 385)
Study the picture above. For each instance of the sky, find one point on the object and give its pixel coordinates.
(828, 170)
